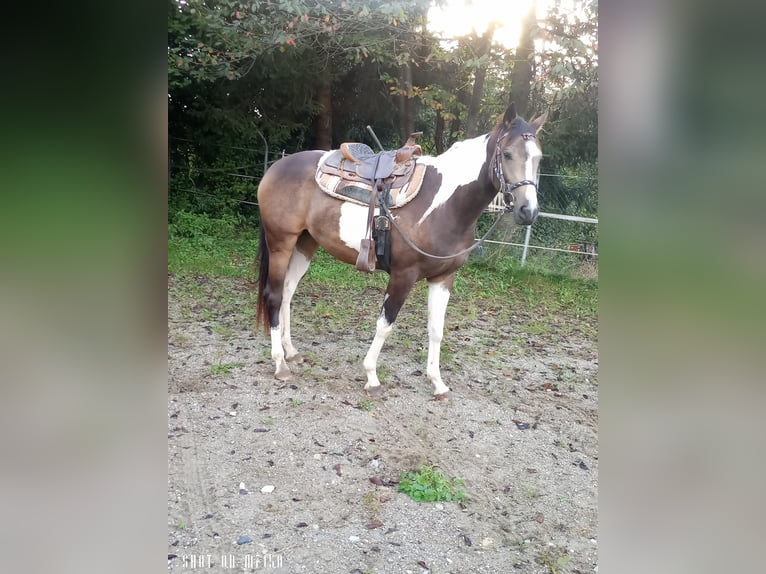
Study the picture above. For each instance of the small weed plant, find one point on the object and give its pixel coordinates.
(224, 368)
(366, 405)
(428, 484)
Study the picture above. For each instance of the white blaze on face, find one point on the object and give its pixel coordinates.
(530, 172)
(458, 166)
(352, 224)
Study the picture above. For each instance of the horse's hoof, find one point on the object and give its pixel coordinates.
(282, 374)
(297, 359)
(442, 396)
(376, 391)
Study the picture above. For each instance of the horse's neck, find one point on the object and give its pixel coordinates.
(463, 166)
(473, 199)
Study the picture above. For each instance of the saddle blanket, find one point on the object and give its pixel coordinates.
(336, 176)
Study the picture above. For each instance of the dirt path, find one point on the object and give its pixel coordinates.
(520, 429)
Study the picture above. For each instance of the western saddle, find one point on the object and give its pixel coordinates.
(379, 166)
(356, 173)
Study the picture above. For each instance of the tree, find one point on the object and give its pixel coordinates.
(523, 71)
(309, 74)
(483, 51)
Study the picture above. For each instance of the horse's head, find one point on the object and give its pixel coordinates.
(515, 161)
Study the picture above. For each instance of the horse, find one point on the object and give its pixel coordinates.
(435, 232)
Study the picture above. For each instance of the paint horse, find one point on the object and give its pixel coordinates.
(433, 235)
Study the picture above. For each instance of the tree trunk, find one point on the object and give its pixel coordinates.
(324, 123)
(523, 71)
(439, 132)
(454, 131)
(406, 104)
(483, 48)
(522, 76)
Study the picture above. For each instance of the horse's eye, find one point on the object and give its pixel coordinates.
(507, 155)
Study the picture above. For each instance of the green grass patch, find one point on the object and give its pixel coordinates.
(224, 368)
(328, 272)
(203, 247)
(428, 484)
(366, 405)
(506, 281)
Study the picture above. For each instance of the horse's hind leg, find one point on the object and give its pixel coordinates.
(296, 269)
(287, 264)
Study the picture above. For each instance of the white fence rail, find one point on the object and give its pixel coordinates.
(581, 248)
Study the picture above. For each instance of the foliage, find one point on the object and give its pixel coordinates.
(199, 245)
(225, 246)
(245, 82)
(228, 36)
(567, 83)
(202, 227)
(428, 484)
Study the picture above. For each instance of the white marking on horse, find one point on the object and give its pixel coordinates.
(297, 268)
(352, 224)
(382, 331)
(438, 298)
(530, 172)
(459, 165)
(278, 354)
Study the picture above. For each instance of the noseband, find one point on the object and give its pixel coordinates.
(505, 187)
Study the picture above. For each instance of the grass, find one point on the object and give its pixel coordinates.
(553, 563)
(201, 248)
(531, 492)
(367, 405)
(222, 330)
(224, 368)
(428, 484)
(201, 245)
(371, 501)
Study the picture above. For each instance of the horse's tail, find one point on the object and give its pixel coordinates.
(262, 260)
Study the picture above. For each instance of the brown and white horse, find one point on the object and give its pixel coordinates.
(297, 217)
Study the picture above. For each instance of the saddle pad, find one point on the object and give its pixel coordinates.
(334, 180)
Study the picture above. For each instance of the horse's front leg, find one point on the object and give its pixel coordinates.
(438, 297)
(396, 293)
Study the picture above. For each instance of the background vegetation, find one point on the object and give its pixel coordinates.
(250, 81)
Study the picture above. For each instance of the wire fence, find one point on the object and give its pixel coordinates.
(564, 239)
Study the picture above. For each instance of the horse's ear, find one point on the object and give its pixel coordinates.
(510, 113)
(538, 122)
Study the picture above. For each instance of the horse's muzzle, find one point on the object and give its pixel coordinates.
(525, 216)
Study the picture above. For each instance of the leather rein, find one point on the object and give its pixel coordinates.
(505, 188)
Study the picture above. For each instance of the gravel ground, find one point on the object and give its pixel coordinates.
(303, 473)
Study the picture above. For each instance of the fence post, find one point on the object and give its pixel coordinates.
(266, 153)
(526, 245)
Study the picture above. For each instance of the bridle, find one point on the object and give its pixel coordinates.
(505, 187)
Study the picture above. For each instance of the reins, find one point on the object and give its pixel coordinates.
(505, 188)
(478, 242)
